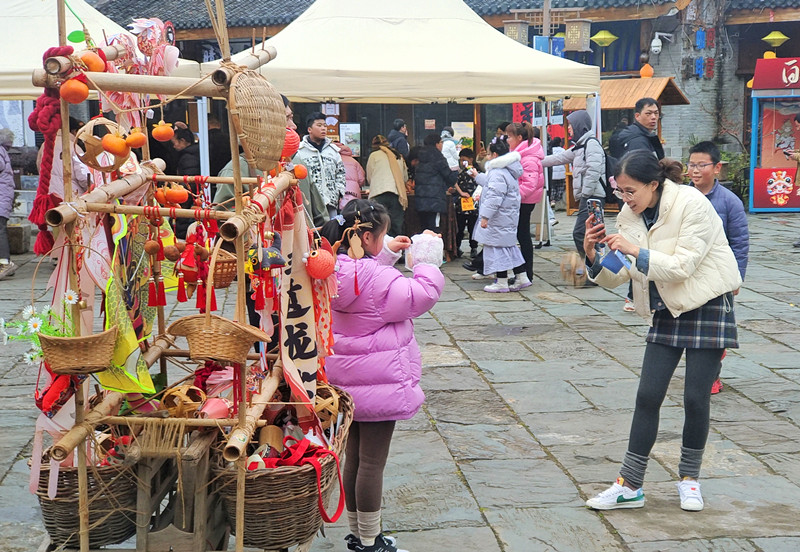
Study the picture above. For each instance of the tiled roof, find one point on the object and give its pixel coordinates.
(246, 13)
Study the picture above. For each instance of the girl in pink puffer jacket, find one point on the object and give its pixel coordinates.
(376, 358)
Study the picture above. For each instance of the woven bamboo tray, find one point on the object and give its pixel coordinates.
(281, 506)
(112, 505)
(224, 270)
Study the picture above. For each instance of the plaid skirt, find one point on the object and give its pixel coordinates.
(711, 326)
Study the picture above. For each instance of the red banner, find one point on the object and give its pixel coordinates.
(777, 73)
(775, 189)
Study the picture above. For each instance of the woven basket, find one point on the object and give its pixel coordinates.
(80, 355)
(212, 337)
(281, 507)
(112, 505)
(259, 118)
(224, 270)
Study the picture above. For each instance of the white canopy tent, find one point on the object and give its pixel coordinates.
(29, 27)
(411, 51)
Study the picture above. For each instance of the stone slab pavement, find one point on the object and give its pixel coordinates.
(529, 401)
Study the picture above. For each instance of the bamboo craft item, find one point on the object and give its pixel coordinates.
(236, 225)
(239, 437)
(69, 211)
(75, 436)
(79, 355)
(282, 504)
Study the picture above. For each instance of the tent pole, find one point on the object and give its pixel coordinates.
(544, 219)
(477, 130)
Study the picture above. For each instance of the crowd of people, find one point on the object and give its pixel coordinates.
(687, 245)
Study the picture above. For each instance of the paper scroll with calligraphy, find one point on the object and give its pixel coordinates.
(298, 327)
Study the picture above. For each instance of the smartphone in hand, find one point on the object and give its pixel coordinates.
(596, 209)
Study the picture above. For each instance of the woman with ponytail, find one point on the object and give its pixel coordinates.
(376, 358)
(683, 275)
(531, 184)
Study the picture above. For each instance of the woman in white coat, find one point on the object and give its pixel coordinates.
(683, 277)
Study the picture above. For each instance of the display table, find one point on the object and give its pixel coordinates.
(572, 204)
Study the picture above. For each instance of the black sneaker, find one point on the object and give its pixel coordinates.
(382, 544)
(473, 252)
(352, 541)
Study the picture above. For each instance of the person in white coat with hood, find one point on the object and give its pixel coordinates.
(499, 214)
(449, 149)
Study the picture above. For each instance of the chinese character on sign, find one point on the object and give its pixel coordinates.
(791, 73)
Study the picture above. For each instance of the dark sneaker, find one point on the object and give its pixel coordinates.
(382, 544)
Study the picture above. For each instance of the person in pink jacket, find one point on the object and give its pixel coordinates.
(376, 358)
(353, 174)
(531, 184)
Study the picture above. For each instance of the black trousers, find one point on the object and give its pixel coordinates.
(427, 220)
(396, 212)
(466, 221)
(524, 237)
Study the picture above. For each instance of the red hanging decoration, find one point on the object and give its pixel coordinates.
(152, 294)
(162, 295)
(200, 304)
(213, 298)
(181, 289)
(355, 281)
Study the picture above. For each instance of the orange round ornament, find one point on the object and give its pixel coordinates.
(73, 91)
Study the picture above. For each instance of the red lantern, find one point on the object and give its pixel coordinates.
(320, 264)
(291, 143)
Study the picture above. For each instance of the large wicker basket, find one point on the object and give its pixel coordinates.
(281, 504)
(79, 355)
(259, 119)
(112, 505)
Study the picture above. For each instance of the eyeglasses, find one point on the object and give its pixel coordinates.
(625, 196)
(698, 166)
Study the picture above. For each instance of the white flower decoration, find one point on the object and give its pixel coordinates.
(35, 324)
(46, 310)
(70, 297)
(3, 334)
(32, 357)
(28, 311)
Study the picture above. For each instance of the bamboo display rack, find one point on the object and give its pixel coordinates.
(193, 519)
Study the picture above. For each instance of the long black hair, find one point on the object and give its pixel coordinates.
(372, 217)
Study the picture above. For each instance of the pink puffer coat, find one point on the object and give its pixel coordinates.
(531, 183)
(376, 358)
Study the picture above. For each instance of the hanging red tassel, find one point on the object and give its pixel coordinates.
(213, 298)
(160, 256)
(259, 293)
(201, 297)
(181, 289)
(355, 281)
(162, 295)
(152, 294)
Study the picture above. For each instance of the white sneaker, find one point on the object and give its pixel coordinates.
(520, 282)
(479, 276)
(628, 306)
(617, 496)
(497, 287)
(7, 269)
(691, 499)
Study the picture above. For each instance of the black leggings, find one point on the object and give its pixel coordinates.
(658, 366)
(366, 454)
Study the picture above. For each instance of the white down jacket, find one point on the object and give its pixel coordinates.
(690, 260)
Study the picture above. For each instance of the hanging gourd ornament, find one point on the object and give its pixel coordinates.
(115, 144)
(151, 247)
(171, 253)
(320, 264)
(73, 91)
(291, 143)
(163, 131)
(136, 139)
(176, 194)
(93, 62)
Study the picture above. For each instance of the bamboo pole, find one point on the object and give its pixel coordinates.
(68, 211)
(76, 435)
(142, 209)
(224, 75)
(188, 422)
(59, 65)
(239, 437)
(210, 179)
(143, 84)
(235, 227)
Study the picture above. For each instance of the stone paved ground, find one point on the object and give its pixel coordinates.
(529, 400)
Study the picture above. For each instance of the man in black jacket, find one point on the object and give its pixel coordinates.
(398, 137)
(188, 155)
(643, 134)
